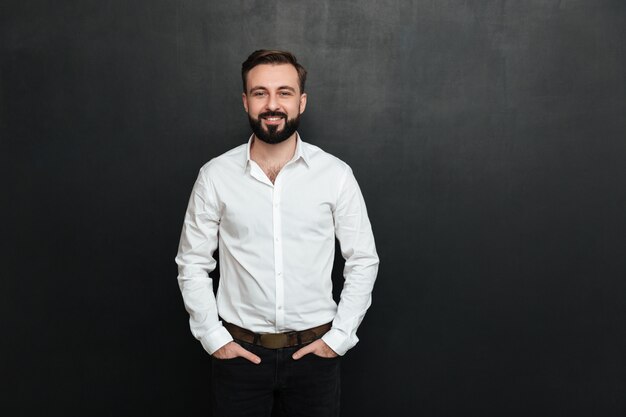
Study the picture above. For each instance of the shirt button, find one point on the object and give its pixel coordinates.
(280, 307)
(279, 274)
(276, 239)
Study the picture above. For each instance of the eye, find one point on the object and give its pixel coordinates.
(258, 93)
(284, 93)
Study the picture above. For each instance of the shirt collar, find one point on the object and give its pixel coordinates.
(299, 153)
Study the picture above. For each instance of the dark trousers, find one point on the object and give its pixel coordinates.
(306, 387)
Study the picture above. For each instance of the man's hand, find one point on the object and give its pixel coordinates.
(319, 348)
(233, 350)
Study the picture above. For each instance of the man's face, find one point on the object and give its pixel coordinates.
(273, 101)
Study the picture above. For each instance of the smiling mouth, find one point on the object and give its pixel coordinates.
(273, 120)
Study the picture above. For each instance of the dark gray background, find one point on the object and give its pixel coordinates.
(488, 138)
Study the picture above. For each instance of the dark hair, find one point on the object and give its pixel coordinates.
(264, 56)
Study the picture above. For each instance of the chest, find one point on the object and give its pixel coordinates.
(295, 205)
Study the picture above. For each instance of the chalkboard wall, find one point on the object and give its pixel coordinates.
(489, 140)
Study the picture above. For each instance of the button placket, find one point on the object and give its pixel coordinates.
(278, 256)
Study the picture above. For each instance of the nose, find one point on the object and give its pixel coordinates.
(272, 102)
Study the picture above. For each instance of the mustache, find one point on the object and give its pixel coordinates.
(272, 114)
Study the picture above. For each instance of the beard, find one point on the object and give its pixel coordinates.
(272, 135)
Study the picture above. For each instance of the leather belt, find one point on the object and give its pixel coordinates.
(277, 340)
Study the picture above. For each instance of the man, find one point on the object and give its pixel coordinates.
(273, 207)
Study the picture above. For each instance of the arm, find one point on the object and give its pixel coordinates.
(354, 232)
(195, 261)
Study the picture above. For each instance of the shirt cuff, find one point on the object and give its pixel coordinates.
(216, 339)
(337, 341)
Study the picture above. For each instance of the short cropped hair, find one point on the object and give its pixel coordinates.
(273, 57)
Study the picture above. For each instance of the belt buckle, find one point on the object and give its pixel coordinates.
(273, 340)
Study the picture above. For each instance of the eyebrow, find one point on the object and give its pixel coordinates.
(282, 87)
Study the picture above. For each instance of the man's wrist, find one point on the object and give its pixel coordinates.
(335, 339)
(216, 339)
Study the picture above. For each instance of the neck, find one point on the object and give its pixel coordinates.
(279, 152)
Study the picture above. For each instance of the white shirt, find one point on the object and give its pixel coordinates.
(276, 248)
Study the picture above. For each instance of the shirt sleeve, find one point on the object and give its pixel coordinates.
(195, 260)
(354, 232)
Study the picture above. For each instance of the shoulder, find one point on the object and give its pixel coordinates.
(225, 163)
(320, 159)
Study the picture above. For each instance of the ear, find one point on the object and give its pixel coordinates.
(244, 98)
(302, 102)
